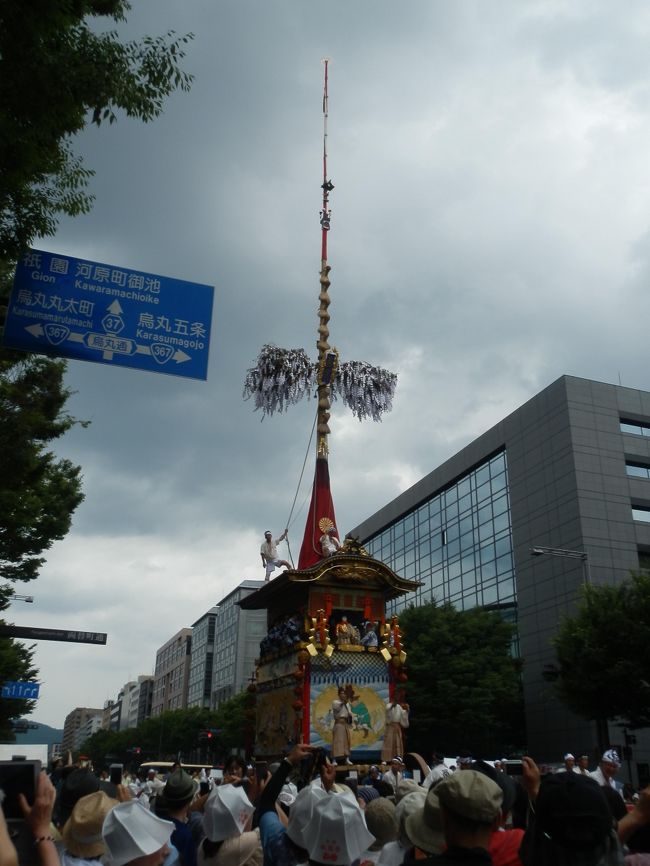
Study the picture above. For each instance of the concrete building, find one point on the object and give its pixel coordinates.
(92, 724)
(139, 703)
(117, 706)
(106, 714)
(75, 727)
(569, 470)
(171, 673)
(237, 643)
(201, 663)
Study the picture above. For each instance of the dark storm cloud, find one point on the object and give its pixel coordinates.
(489, 233)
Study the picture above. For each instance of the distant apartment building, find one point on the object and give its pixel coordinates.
(76, 726)
(237, 643)
(106, 714)
(92, 724)
(116, 711)
(139, 703)
(172, 673)
(201, 661)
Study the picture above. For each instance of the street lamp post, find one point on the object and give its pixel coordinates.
(568, 554)
(602, 727)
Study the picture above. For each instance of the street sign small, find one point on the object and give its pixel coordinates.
(20, 691)
(75, 308)
(69, 635)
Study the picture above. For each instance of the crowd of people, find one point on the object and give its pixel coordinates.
(300, 812)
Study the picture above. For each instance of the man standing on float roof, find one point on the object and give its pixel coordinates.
(269, 553)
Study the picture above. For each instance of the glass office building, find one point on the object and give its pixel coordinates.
(570, 471)
(458, 543)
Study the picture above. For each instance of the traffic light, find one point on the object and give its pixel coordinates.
(209, 735)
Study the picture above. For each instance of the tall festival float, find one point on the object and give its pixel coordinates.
(319, 612)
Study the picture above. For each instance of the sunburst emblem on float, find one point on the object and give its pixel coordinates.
(325, 524)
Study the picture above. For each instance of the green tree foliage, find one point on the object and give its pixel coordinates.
(38, 492)
(232, 720)
(105, 747)
(602, 653)
(176, 732)
(15, 665)
(57, 73)
(464, 686)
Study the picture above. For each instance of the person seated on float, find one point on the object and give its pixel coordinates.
(370, 635)
(329, 542)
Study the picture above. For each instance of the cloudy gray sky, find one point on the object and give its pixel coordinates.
(490, 233)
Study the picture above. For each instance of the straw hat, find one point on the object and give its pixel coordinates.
(82, 834)
(130, 831)
(226, 813)
(336, 833)
(239, 850)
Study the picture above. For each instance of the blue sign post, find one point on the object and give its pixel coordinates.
(74, 308)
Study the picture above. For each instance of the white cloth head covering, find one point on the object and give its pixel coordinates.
(226, 813)
(301, 812)
(131, 831)
(336, 834)
(611, 756)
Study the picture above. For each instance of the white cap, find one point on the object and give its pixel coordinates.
(336, 833)
(130, 831)
(226, 813)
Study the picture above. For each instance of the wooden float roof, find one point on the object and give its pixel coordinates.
(349, 568)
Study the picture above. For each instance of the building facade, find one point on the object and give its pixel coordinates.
(569, 470)
(237, 643)
(201, 662)
(139, 706)
(75, 727)
(171, 673)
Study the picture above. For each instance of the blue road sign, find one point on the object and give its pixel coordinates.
(74, 308)
(18, 690)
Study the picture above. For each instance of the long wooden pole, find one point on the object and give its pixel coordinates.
(324, 402)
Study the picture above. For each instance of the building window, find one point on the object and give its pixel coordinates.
(640, 513)
(637, 470)
(458, 543)
(635, 427)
